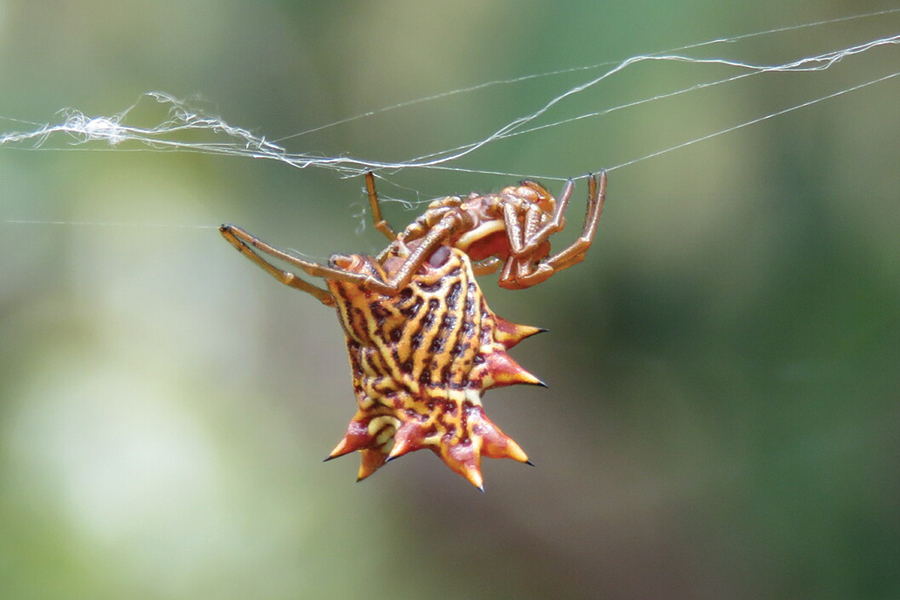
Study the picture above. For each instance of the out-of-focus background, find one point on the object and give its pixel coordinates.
(722, 416)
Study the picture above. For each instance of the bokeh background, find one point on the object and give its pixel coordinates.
(722, 416)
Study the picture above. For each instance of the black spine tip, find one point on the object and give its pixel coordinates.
(529, 463)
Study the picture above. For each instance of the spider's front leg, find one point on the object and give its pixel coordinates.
(400, 278)
(311, 268)
(526, 240)
(576, 251)
(242, 241)
(246, 242)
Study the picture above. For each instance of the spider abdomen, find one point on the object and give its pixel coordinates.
(421, 360)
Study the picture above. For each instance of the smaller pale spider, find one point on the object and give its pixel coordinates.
(509, 229)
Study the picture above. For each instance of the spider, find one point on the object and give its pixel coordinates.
(423, 344)
(509, 229)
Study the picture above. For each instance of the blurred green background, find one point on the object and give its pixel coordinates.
(724, 395)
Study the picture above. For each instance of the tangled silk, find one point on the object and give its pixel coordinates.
(421, 360)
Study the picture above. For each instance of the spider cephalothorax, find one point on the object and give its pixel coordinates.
(511, 228)
(423, 344)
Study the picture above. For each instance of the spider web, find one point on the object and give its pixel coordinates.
(185, 125)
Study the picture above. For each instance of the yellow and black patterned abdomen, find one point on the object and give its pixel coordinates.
(421, 360)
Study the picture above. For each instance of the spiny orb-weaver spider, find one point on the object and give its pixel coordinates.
(423, 344)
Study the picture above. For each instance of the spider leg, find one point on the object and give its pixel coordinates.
(311, 268)
(401, 277)
(519, 272)
(285, 277)
(507, 279)
(523, 242)
(554, 225)
(576, 251)
(380, 223)
(420, 253)
(514, 231)
(532, 223)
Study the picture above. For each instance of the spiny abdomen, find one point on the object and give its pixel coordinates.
(421, 360)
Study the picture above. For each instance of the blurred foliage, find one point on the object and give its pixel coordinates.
(724, 384)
